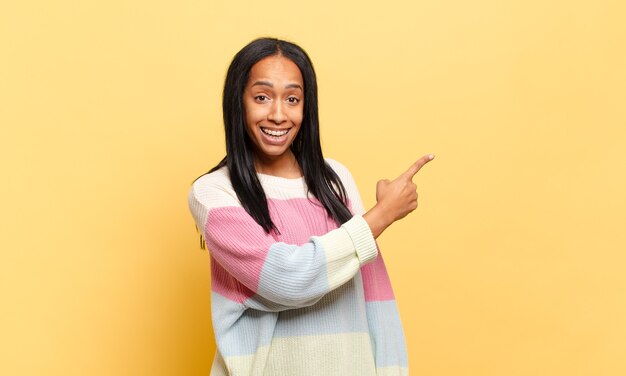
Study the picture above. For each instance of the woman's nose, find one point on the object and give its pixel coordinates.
(277, 115)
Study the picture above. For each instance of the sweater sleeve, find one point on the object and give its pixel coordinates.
(383, 317)
(277, 275)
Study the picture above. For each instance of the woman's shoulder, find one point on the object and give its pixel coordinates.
(340, 169)
(348, 182)
(336, 165)
(219, 177)
(214, 189)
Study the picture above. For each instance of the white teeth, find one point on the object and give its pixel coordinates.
(274, 133)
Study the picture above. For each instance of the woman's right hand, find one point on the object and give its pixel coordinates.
(395, 199)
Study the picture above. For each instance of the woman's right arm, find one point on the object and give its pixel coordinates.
(277, 275)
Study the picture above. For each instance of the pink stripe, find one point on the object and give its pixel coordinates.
(298, 219)
(237, 243)
(376, 281)
(226, 285)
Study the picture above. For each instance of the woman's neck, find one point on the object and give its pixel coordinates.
(285, 166)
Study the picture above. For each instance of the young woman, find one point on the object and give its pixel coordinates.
(298, 284)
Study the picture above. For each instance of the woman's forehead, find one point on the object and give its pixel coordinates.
(276, 70)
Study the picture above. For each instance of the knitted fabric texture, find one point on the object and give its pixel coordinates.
(313, 300)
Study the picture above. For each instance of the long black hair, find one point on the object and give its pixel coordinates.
(322, 182)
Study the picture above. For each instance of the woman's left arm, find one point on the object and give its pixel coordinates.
(383, 317)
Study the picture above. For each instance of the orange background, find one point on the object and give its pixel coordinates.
(514, 264)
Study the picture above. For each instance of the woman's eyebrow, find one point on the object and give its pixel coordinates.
(263, 83)
(267, 83)
(294, 86)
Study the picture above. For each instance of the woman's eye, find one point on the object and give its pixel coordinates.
(261, 98)
(293, 100)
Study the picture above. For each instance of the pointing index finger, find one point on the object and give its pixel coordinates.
(415, 167)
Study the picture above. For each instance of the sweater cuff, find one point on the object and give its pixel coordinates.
(362, 238)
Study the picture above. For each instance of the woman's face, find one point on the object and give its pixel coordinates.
(274, 101)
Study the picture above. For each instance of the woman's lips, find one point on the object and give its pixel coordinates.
(275, 132)
(275, 136)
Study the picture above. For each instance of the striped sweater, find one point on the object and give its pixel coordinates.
(313, 300)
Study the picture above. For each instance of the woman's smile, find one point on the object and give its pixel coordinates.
(275, 133)
(275, 137)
